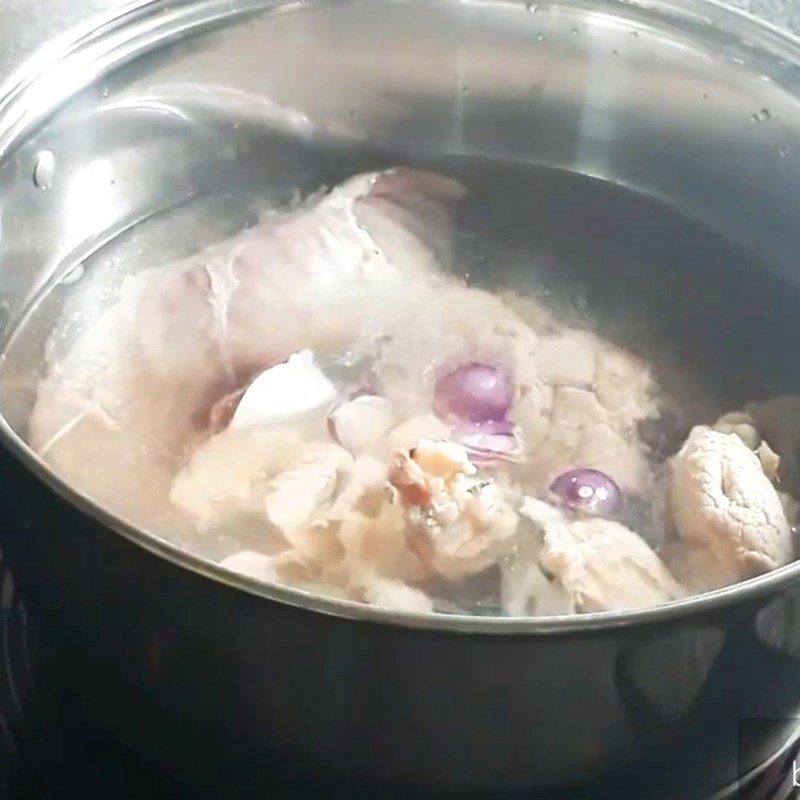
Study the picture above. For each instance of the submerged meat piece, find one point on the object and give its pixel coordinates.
(286, 568)
(578, 400)
(430, 472)
(743, 425)
(265, 479)
(458, 523)
(266, 568)
(227, 478)
(357, 543)
(299, 497)
(746, 428)
(777, 421)
(397, 596)
(600, 564)
(109, 427)
(327, 521)
(525, 589)
(302, 281)
(729, 521)
(414, 429)
(372, 534)
(137, 389)
(604, 566)
(361, 424)
(580, 431)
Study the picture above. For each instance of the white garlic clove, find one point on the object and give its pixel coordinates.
(362, 423)
(280, 393)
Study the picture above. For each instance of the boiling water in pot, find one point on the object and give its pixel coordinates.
(462, 386)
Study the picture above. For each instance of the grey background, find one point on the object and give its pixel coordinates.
(25, 24)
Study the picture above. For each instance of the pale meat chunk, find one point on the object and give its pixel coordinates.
(778, 422)
(729, 521)
(457, 523)
(283, 286)
(525, 589)
(360, 543)
(283, 568)
(422, 426)
(568, 358)
(297, 499)
(579, 399)
(746, 428)
(398, 596)
(137, 388)
(600, 564)
(100, 414)
(228, 477)
(375, 545)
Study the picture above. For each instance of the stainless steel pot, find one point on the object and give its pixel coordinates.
(214, 677)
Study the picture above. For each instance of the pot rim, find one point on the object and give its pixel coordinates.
(101, 43)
